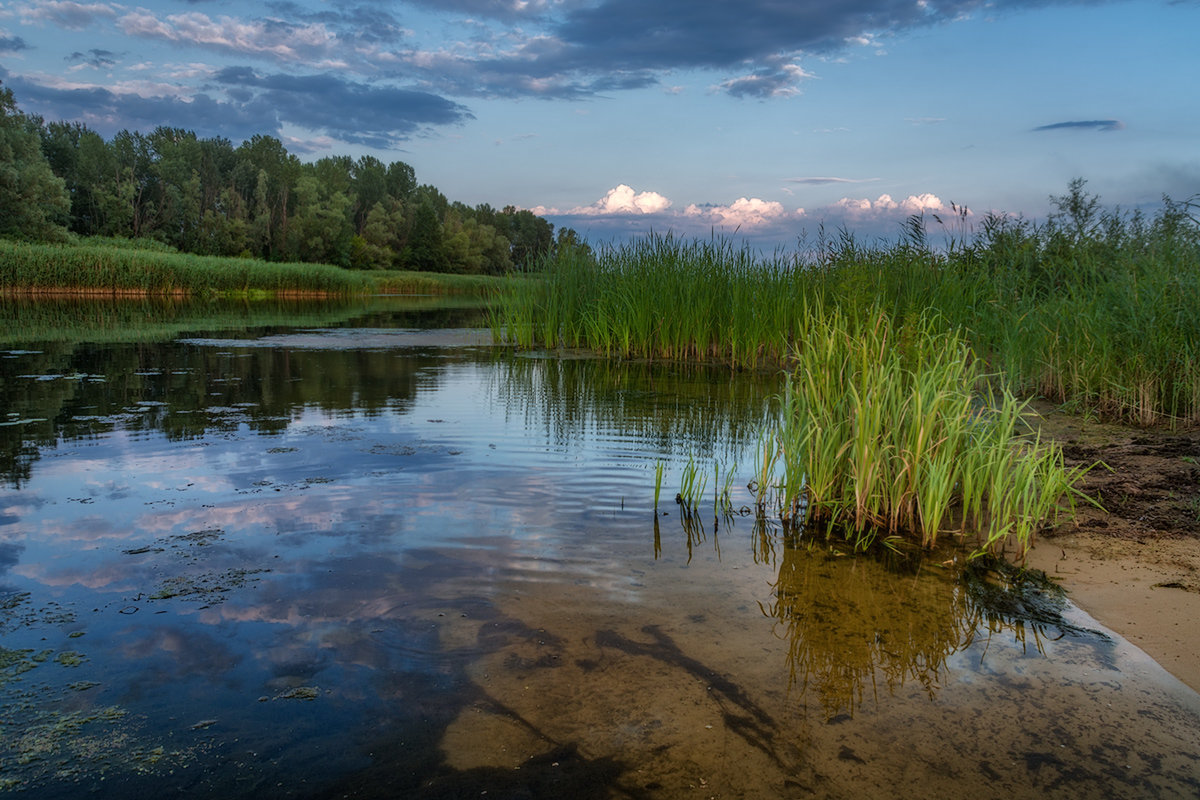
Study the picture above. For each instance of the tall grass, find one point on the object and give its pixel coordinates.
(1097, 310)
(882, 431)
(118, 267)
(659, 298)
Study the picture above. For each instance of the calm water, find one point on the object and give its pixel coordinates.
(370, 555)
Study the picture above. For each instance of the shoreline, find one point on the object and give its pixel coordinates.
(1134, 567)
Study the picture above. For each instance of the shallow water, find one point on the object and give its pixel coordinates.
(372, 559)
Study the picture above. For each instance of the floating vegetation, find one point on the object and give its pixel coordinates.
(209, 587)
(70, 658)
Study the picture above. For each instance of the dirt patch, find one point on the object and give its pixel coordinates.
(1135, 565)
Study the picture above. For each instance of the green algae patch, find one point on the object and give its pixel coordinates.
(70, 658)
(209, 587)
(14, 663)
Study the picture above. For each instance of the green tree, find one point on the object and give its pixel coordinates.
(34, 203)
(425, 249)
(382, 238)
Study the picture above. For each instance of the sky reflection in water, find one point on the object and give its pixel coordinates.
(274, 568)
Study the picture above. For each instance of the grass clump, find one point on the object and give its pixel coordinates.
(882, 432)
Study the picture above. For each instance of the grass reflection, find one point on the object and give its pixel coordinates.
(859, 625)
(684, 409)
(883, 620)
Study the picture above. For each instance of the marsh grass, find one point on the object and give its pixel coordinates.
(882, 432)
(1096, 310)
(104, 266)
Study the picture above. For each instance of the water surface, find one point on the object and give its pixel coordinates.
(361, 556)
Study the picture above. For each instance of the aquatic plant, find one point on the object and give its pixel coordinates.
(692, 483)
(882, 430)
(1095, 309)
(658, 478)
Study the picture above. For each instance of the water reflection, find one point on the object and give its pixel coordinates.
(678, 408)
(251, 568)
(876, 621)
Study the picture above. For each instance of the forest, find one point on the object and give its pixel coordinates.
(257, 200)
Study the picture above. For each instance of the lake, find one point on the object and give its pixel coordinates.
(322, 550)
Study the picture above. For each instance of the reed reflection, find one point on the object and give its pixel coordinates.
(858, 624)
(861, 624)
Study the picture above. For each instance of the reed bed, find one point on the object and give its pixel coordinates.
(659, 298)
(117, 267)
(1101, 313)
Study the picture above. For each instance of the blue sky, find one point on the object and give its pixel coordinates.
(768, 117)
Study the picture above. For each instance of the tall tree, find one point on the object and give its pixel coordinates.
(34, 203)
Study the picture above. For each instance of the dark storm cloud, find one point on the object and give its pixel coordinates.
(755, 43)
(108, 112)
(375, 116)
(673, 34)
(12, 44)
(254, 104)
(1087, 124)
(95, 58)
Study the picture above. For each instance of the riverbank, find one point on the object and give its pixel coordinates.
(1135, 566)
(120, 268)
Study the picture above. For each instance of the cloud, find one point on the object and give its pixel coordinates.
(494, 9)
(619, 201)
(364, 23)
(94, 58)
(72, 16)
(744, 213)
(820, 181)
(12, 44)
(578, 49)
(371, 115)
(767, 82)
(326, 104)
(1089, 124)
(622, 213)
(272, 38)
(885, 206)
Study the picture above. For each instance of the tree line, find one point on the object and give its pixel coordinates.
(206, 196)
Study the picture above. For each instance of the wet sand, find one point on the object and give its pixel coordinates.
(1135, 566)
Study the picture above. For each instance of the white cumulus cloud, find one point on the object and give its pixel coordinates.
(884, 204)
(745, 212)
(622, 200)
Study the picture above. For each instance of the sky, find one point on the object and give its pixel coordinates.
(759, 120)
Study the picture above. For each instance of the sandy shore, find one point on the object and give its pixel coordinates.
(1135, 566)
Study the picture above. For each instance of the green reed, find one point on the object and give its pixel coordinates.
(692, 483)
(1098, 312)
(882, 431)
(658, 478)
(107, 266)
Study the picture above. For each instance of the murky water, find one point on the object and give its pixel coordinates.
(360, 559)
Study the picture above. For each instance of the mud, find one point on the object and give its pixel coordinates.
(1134, 564)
